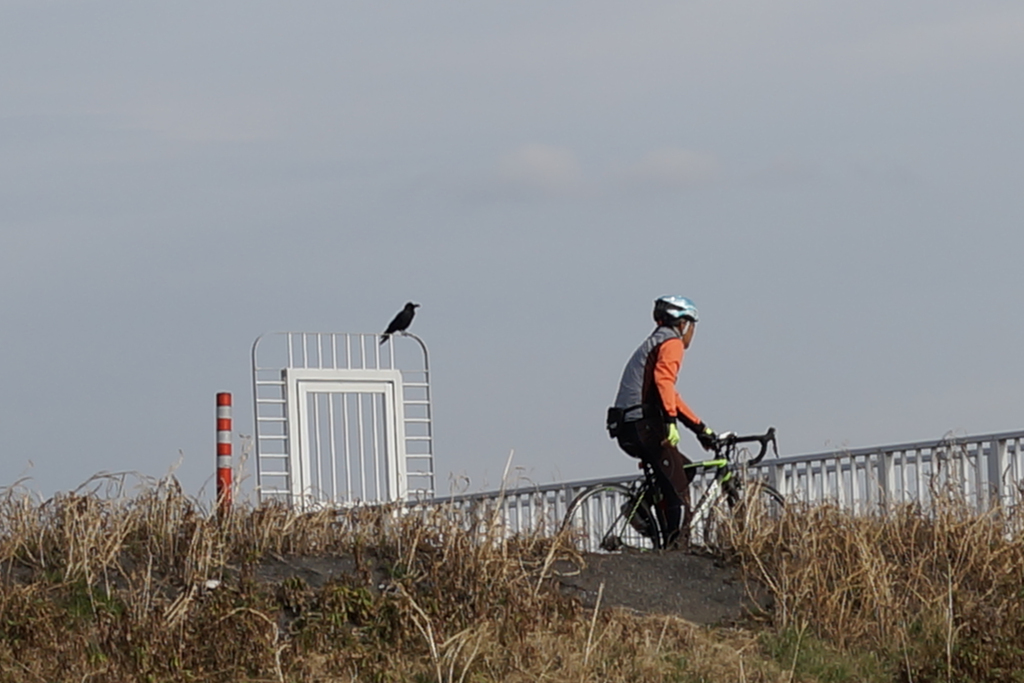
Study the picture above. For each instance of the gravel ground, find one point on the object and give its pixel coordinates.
(697, 588)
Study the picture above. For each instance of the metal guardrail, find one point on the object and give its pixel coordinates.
(988, 470)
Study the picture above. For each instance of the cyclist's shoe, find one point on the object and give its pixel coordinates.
(639, 519)
(611, 543)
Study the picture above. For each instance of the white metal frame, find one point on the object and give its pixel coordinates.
(342, 419)
(303, 437)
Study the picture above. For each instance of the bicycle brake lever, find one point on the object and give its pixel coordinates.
(765, 439)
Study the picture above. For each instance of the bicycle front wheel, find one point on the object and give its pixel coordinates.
(745, 508)
(612, 518)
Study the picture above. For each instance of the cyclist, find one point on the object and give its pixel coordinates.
(648, 410)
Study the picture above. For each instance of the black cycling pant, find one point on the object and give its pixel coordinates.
(645, 439)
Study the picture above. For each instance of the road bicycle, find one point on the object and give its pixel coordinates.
(615, 516)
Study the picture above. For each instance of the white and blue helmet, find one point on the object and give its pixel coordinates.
(669, 310)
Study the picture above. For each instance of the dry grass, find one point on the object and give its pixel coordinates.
(109, 585)
(106, 584)
(938, 594)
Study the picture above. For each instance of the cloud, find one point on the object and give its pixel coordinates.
(552, 171)
(782, 171)
(197, 118)
(939, 44)
(672, 168)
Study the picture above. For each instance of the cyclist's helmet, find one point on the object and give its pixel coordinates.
(669, 310)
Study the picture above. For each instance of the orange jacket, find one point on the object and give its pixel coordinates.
(666, 371)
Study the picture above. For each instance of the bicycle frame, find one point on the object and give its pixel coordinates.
(723, 481)
(724, 477)
(642, 496)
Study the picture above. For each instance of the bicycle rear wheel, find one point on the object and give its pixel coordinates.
(611, 518)
(739, 509)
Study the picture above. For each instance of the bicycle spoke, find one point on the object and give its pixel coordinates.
(610, 518)
(741, 509)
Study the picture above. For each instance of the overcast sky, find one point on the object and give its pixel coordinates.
(838, 187)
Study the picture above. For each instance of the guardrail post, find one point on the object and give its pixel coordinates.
(859, 499)
(886, 470)
(774, 479)
(224, 493)
(996, 467)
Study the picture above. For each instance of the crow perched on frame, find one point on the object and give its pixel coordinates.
(401, 322)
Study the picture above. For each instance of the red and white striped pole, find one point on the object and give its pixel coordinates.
(223, 453)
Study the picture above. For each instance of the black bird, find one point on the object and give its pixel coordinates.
(401, 322)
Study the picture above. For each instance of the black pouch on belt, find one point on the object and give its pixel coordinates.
(613, 422)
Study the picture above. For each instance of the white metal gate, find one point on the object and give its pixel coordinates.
(342, 419)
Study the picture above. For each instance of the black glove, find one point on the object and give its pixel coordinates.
(707, 437)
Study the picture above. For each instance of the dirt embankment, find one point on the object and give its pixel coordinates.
(697, 588)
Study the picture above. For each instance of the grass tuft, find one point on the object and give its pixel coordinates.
(935, 594)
